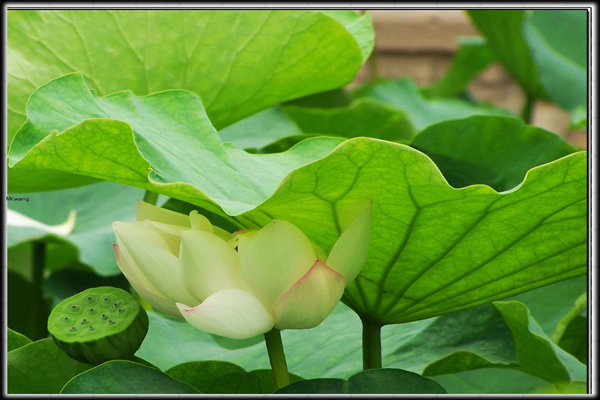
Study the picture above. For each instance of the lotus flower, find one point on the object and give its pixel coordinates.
(243, 284)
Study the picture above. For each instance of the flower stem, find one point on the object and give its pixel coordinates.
(277, 358)
(371, 344)
(150, 197)
(527, 111)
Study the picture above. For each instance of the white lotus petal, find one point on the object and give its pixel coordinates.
(274, 259)
(208, 264)
(155, 261)
(143, 287)
(146, 211)
(350, 251)
(232, 313)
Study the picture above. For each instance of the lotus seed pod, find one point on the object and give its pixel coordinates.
(98, 325)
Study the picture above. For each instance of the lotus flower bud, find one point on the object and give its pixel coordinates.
(244, 284)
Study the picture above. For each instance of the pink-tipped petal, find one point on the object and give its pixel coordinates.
(350, 251)
(310, 300)
(231, 313)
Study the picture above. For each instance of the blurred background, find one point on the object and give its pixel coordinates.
(421, 44)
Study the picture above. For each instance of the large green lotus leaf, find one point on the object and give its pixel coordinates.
(404, 95)
(138, 152)
(575, 338)
(477, 337)
(558, 41)
(490, 381)
(261, 129)
(496, 151)
(578, 118)
(576, 387)
(40, 368)
(333, 349)
(336, 98)
(434, 249)
(503, 30)
(90, 240)
(572, 331)
(544, 50)
(363, 117)
(261, 59)
(537, 354)
(550, 304)
(220, 377)
(125, 377)
(376, 381)
(15, 340)
(472, 57)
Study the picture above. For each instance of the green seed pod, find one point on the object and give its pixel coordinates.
(98, 325)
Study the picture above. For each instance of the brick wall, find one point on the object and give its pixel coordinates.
(421, 43)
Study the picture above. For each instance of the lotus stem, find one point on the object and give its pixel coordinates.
(151, 197)
(371, 344)
(39, 265)
(527, 111)
(277, 358)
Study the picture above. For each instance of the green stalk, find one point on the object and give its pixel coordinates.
(36, 313)
(371, 338)
(150, 197)
(277, 358)
(527, 111)
(372, 63)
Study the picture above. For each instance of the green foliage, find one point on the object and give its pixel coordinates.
(536, 354)
(279, 128)
(40, 368)
(470, 204)
(27, 308)
(126, 160)
(362, 117)
(91, 239)
(266, 58)
(125, 377)
(379, 381)
(550, 304)
(575, 338)
(15, 340)
(571, 332)
(496, 151)
(472, 57)
(212, 377)
(404, 95)
(476, 338)
(491, 381)
(544, 50)
(406, 215)
(578, 118)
